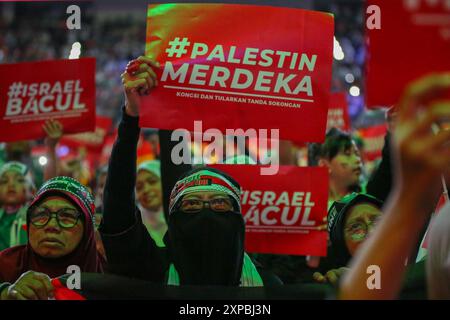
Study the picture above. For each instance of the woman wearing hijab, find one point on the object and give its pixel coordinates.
(150, 199)
(61, 233)
(205, 237)
(206, 232)
(350, 221)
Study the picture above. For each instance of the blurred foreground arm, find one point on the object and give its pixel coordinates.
(419, 158)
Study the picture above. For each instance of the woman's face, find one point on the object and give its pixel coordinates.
(13, 188)
(359, 223)
(148, 190)
(51, 240)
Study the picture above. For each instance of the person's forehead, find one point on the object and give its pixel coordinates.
(205, 194)
(11, 173)
(144, 174)
(56, 201)
(363, 209)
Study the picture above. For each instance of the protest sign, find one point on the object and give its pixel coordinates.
(282, 211)
(373, 141)
(338, 112)
(33, 92)
(413, 40)
(240, 66)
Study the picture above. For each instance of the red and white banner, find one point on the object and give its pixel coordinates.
(338, 112)
(282, 211)
(414, 40)
(33, 92)
(373, 141)
(240, 66)
(92, 141)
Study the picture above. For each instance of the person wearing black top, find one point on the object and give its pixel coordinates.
(205, 238)
(130, 250)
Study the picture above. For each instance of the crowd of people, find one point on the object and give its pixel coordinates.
(155, 221)
(200, 241)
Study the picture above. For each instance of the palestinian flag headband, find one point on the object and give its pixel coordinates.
(72, 188)
(204, 180)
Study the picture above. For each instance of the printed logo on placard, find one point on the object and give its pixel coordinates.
(285, 212)
(242, 76)
(41, 101)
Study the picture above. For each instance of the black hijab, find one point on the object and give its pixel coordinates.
(206, 248)
(338, 251)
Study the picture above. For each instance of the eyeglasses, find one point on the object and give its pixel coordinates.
(66, 217)
(196, 205)
(360, 227)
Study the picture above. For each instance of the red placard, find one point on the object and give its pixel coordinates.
(338, 112)
(282, 211)
(240, 66)
(93, 141)
(414, 40)
(373, 141)
(33, 92)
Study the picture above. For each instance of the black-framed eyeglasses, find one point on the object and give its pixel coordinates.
(196, 205)
(66, 217)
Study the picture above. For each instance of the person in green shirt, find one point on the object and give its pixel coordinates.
(16, 189)
(17, 184)
(20, 151)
